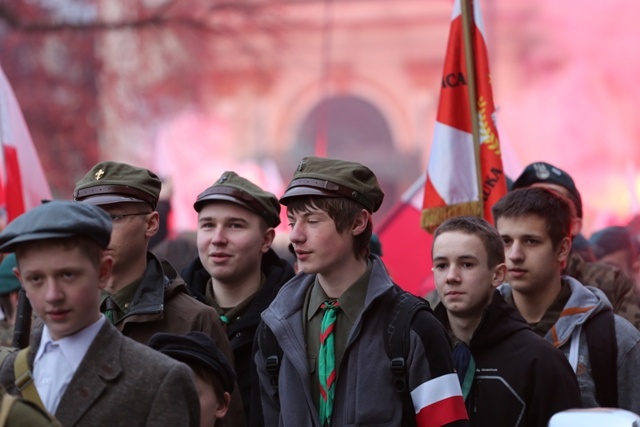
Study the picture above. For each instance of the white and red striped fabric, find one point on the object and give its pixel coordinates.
(439, 402)
(452, 186)
(22, 181)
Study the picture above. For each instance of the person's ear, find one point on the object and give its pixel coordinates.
(223, 405)
(563, 249)
(499, 274)
(106, 265)
(152, 224)
(267, 239)
(360, 222)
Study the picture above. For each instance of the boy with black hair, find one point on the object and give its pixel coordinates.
(214, 375)
(329, 321)
(535, 225)
(489, 334)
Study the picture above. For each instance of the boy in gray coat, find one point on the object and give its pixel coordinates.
(82, 369)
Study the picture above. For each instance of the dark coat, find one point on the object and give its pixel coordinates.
(120, 383)
(162, 304)
(242, 329)
(521, 380)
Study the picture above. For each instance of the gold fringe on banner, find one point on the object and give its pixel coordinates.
(433, 217)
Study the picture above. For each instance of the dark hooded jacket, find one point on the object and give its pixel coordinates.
(243, 328)
(520, 379)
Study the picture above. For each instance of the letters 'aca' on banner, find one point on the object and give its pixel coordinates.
(22, 181)
(454, 187)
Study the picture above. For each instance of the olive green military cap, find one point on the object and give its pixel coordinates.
(231, 187)
(316, 176)
(57, 219)
(112, 182)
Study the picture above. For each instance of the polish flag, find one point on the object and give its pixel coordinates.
(406, 247)
(439, 402)
(453, 184)
(22, 181)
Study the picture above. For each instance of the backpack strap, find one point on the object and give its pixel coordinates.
(24, 380)
(603, 355)
(272, 352)
(4, 352)
(399, 320)
(5, 407)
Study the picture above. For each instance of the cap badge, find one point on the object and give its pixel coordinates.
(301, 165)
(222, 179)
(99, 174)
(542, 172)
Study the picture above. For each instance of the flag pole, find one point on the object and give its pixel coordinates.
(468, 36)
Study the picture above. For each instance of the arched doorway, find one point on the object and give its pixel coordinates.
(356, 130)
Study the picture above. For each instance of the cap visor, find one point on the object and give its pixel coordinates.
(220, 198)
(10, 245)
(306, 191)
(110, 200)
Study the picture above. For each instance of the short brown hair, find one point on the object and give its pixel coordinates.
(342, 211)
(476, 226)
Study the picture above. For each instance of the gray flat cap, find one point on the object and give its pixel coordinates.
(55, 220)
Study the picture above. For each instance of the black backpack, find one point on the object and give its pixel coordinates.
(603, 355)
(400, 311)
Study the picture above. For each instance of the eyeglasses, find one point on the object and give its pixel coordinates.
(120, 217)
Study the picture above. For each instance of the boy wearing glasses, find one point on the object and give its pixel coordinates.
(145, 295)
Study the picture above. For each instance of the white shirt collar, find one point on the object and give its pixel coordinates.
(73, 347)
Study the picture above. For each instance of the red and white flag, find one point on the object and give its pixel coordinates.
(453, 185)
(439, 402)
(22, 181)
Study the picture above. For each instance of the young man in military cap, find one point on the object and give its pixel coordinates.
(617, 286)
(334, 369)
(237, 272)
(78, 366)
(145, 295)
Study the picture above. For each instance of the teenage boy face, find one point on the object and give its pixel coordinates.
(464, 281)
(62, 285)
(532, 262)
(319, 247)
(231, 241)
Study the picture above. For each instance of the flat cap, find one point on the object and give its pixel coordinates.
(196, 348)
(316, 176)
(541, 172)
(8, 281)
(112, 182)
(57, 219)
(231, 187)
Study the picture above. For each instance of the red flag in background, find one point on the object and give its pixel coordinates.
(22, 181)
(406, 248)
(460, 144)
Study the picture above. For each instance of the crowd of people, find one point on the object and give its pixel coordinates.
(529, 317)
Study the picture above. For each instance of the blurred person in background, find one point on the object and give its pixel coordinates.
(9, 291)
(213, 374)
(616, 246)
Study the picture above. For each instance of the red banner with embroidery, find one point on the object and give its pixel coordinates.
(453, 186)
